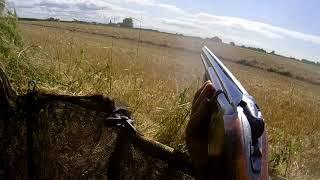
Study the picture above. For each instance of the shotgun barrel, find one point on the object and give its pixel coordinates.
(237, 139)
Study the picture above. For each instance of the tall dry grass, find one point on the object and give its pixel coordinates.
(146, 83)
(279, 64)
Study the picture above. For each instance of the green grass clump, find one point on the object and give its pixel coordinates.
(15, 56)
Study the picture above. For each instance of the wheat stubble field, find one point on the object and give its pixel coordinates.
(157, 76)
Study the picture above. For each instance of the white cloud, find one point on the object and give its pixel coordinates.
(295, 34)
(253, 26)
(170, 7)
(155, 4)
(88, 5)
(180, 24)
(140, 2)
(54, 4)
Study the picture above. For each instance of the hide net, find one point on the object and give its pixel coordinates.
(46, 136)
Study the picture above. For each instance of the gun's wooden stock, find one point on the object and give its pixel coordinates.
(235, 132)
(233, 162)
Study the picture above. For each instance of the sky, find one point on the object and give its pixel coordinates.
(289, 27)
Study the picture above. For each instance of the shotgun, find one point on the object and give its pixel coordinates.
(237, 147)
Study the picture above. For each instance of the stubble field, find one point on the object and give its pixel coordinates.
(157, 76)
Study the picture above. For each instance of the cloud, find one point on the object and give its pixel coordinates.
(140, 2)
(170, 7)
(155, 4)
(22, 6)
(92, 7)
(206, 27)
(295, 34)
(54, 4)
(80, 5)
(258, 27)
(179, 24)
(237, 26)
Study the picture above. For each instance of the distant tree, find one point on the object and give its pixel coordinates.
(127, 22)
(216, 39)
(307, 61)
(52, 19)
(272, 52)
(232, 44)
(254, 49)
(258, 49)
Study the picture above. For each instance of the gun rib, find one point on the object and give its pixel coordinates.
(227, 82)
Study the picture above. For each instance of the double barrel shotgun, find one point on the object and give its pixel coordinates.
(237, 146)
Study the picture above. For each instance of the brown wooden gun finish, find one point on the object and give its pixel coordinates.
(238, 144)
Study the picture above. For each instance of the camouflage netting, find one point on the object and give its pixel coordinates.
(45, 136)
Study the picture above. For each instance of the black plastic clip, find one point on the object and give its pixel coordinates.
(123, 119)
(32, 85)
(215, 96)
